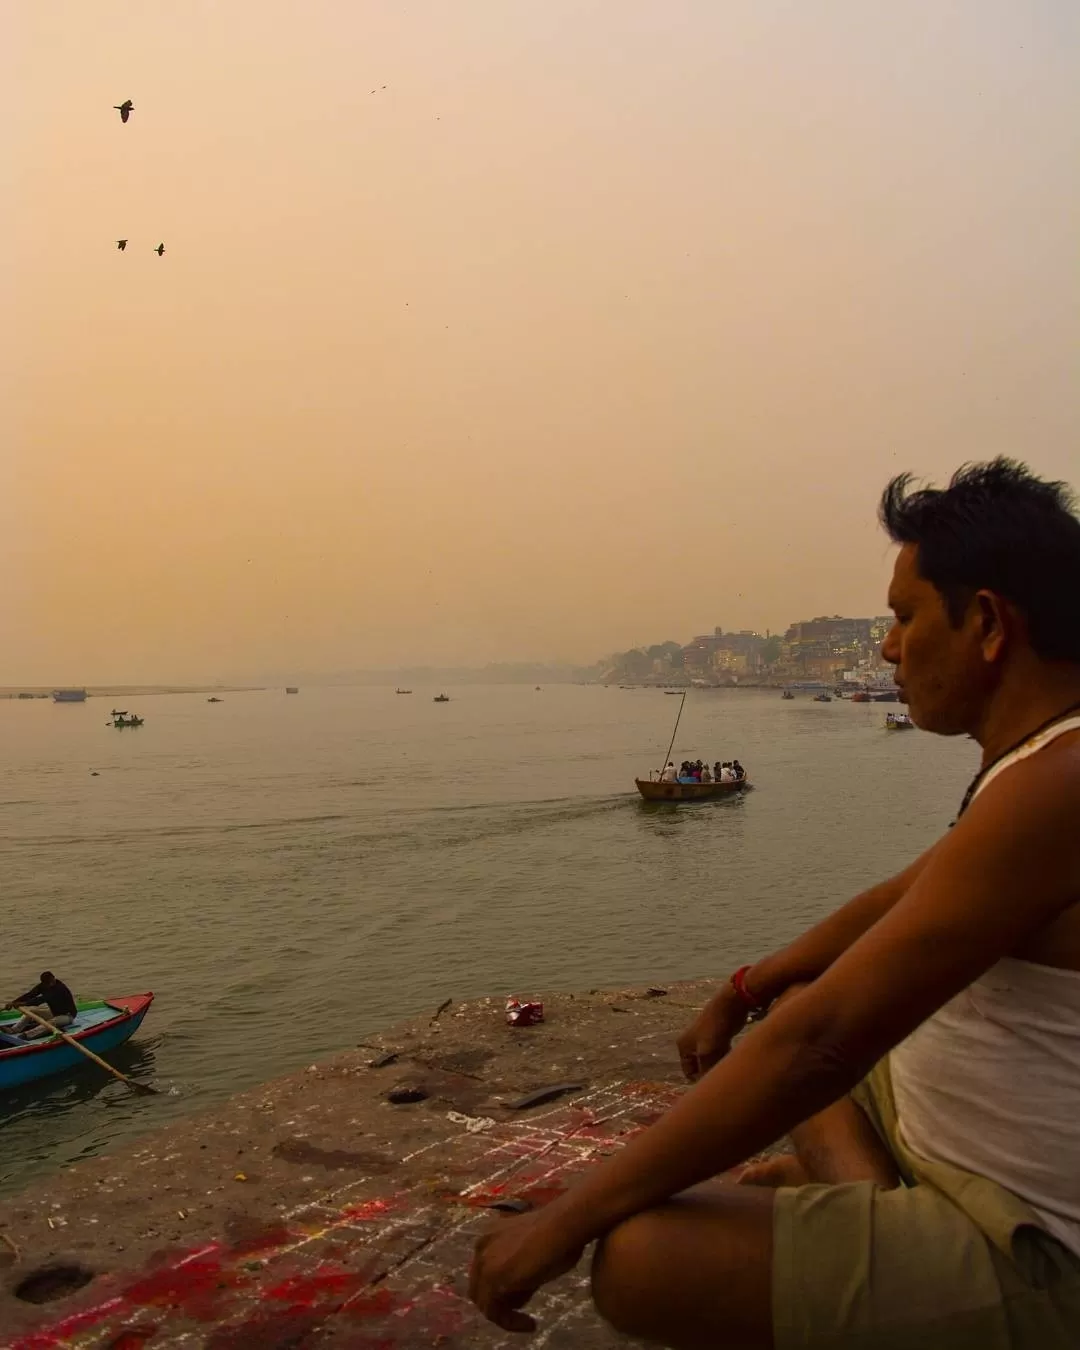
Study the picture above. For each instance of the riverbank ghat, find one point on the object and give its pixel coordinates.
(338, 1206)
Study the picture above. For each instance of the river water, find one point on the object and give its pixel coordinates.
(291, 873)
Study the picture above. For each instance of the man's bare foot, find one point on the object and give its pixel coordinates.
(783, 1170)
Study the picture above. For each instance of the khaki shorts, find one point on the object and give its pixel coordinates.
(947, 1261)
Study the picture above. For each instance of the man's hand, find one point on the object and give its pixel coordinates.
(708, 1037)
(512, 1261)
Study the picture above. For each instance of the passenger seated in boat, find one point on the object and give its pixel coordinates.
(669, 775)
(51, 999)
(738, 770)
(706, 774)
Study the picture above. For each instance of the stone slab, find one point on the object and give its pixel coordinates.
(312, 1212)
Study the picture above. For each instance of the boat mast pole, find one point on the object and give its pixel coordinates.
(674, 732)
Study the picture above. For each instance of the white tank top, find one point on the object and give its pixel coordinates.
(991, 1082)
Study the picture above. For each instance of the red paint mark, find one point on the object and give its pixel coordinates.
(58, 1333)
(305, 1291)
(194, 1286)
(284, 1331)
(381, 1302)
(132, 1338)
(373, 1209)
(539, 1196)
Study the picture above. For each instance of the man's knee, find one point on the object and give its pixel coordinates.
(622, 1269)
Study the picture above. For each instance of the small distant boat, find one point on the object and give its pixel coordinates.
(99, 1025)
(441, 698)
(898, 722)
(675, 692)
(123, 720)
(402, 691)
(823, 698)
(538, 689)
(787, 694)
(69, 696)
(215, 700)
(291, 689)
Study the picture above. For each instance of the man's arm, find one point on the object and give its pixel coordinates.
(31, 996)
(814, 952)
(708, 1038)
(1007, 870)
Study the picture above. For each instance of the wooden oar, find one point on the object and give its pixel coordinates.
(137, 1087)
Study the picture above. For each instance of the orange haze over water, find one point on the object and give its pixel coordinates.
(498, 329)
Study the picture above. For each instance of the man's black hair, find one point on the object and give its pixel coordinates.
(46, 975)
(997, 527)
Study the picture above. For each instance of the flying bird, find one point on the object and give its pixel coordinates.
(121, 244)
(124, 109)
(160, 250)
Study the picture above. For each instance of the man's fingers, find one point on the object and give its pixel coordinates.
(512, 1319)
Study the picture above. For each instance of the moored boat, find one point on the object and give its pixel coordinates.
(787, 694)
(69, 696)
(823, 698)
(402, 691)
(861, 696)
(441, 698)
(101, 1025)
(659, 791)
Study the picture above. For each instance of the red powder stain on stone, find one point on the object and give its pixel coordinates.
(193, 1286)
(381, 1302)
(328, 1285)
(132, 1338)
(283, 1331)
(371, 1209)
(539, 1196)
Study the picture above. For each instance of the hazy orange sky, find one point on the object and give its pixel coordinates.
(498, 329)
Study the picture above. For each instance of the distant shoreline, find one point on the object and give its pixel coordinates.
(130, 690)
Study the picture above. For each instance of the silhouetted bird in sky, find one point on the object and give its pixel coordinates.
(160, 250)
(121, 244)
(124, 109)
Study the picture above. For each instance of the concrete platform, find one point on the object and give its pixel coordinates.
(313, 1212)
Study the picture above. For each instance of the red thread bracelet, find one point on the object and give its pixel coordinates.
(738, 983)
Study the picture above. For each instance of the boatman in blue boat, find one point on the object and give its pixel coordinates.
(51, 999)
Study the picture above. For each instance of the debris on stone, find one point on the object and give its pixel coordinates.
(473, 1124)
(526, 1014)
(391, 1057)
(441, 1009)
(240, 1176)
(545, 1094)
(654, 991)
(399, 1096)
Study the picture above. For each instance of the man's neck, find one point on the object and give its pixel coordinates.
(1026, 700)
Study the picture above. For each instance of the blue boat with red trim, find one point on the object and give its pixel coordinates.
(101, 1025)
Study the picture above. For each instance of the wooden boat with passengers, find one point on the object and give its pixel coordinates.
(100, 1025)
(654, 790)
